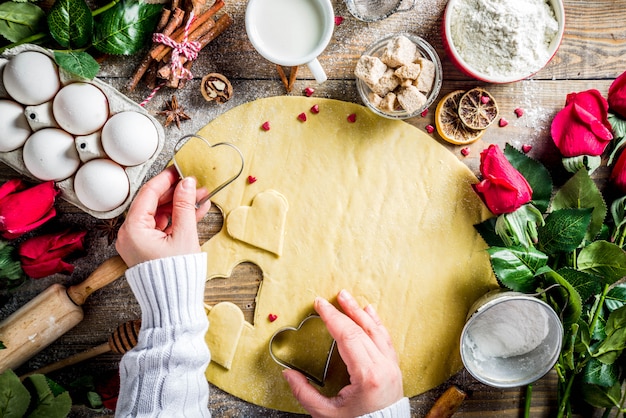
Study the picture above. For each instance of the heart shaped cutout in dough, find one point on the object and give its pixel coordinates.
(291, 348)
(262, 224)
(224, 159)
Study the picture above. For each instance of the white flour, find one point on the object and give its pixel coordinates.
(503, 38)
(508, 329)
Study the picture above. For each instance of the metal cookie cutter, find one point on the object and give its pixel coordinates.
(284, 340)
(182, 141)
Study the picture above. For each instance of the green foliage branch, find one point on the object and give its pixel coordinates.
(122, 27)
(577, 244)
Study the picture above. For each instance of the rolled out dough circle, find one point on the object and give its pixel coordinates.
(376, 207)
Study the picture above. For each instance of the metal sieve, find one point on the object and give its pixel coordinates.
(374, 10)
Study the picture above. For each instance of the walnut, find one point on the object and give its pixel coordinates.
(216, 87)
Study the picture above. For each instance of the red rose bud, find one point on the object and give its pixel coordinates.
(582, 126)
(42, 256)
(23, 209)
(618, 173)
(617, 95)
(503, 188)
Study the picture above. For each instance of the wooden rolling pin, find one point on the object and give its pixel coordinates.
(51, 314)
(120, 341)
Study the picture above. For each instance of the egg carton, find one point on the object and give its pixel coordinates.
(118, 102)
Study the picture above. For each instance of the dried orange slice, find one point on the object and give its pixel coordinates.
(449, 125)
(477, 108)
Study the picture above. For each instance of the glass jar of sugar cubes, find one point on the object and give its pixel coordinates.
(399, 76)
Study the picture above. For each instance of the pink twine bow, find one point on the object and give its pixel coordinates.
(185, 48)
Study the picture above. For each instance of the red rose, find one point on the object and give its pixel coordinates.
(42, 256)
(618, 173)
(23, 209)
(617, 95)
(582, 126)
(503, 188)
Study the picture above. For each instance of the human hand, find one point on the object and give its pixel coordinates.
(162, 219)
(367, 350)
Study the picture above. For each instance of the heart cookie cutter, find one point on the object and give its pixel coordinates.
(182, 141)
(317, 377)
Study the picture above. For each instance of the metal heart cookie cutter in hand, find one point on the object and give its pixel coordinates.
(228, 178)
(289, 347)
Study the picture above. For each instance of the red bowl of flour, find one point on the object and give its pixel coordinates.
(502, 41)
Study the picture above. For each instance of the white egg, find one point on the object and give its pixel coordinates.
(80, 108)
(129, 138)
(101, 185)
(14, 128)
(50, 154)
(31, 78)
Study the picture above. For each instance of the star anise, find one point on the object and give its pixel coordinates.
(109, 227)
(174, 113)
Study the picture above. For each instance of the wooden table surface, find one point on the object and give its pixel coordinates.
(592, 54)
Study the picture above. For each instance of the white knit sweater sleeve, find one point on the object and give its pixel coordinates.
(163, 376)
(400, 409)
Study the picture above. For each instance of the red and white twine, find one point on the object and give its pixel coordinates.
(185, 48)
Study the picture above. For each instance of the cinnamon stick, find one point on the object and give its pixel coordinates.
(217, 29)
(447, 404)
(283, 77)
(160, 50)
(292, 77)
(174, 22)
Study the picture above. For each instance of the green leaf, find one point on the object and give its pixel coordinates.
(14, 397)
(615, 342)
(616, 297)
(618, 214)
(564, 230)
(580, 192)
(79, 64)
(535, 173)
(600, 374)
(70, 23)
(11, 273)
(48, 403)
(601, 397)
(20, 20)
(515, 267)
(603, 259)
(126, 28)
(566, 298)
(487, 230)
(585, 284)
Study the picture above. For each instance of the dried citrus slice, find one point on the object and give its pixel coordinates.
(477, 108)
(449, 125)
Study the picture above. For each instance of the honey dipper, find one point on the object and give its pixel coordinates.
(120, 341)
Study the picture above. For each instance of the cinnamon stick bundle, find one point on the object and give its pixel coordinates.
(203, 29)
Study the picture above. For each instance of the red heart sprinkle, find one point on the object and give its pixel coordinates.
(315, 109)
(251, 179)
(272, 317)
(302, 117)
(266, 126)
(485, 99)
(430, 129)
(352, 117)
(519, 112)
(526, 148)
(338, 20)
(503, 122)
(465, 151)
(424, 113)
(309, 91)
